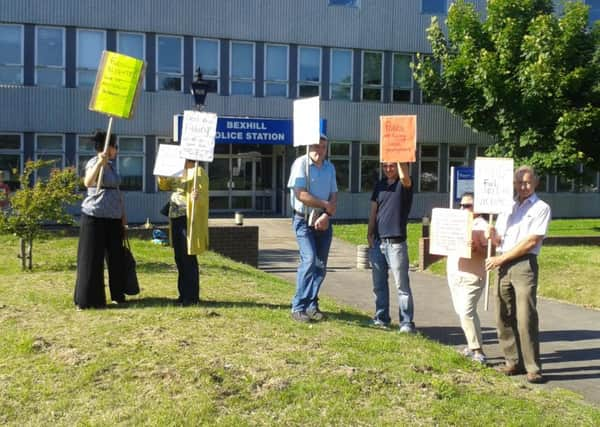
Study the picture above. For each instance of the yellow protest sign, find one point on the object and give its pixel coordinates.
(118, 85)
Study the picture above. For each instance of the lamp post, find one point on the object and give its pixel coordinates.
(199, 89)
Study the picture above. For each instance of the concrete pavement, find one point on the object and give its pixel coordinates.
(570, 335)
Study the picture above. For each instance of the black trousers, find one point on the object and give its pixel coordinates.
(99, 238)
(188, 281)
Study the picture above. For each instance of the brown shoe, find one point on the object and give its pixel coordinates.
(510, 370)
(535, 378)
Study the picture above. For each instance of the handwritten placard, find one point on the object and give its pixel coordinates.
(306, 121)
(118, 84)
(169, 161)
(493, 185)
(398, 138)
(198, 135)
(450, 232)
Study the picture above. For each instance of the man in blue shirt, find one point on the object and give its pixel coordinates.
(390, 205)
(314, 203)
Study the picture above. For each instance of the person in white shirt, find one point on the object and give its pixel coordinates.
(518, 239)
(466, 278)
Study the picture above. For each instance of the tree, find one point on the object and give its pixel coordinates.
(525, 76)
(33, 206)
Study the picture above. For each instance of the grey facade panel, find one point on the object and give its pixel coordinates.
(37, 109)
(284, 21)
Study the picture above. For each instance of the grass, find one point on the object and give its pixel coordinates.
(567, 273)
(237, 359)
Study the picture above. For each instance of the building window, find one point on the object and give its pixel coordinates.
(90, 44)
(340, 156)
(206, 60)
(49, 147)
(131, 44)
(11, 54)
(372, 83)
(457, 157)
(309, 72)
(347, 3)
(49, 56)
(169, 63)
(131, 163)
(402, 84)
(369, 166)
(594, 13)
(276, 70)
(242, 68)
(85, 151)
(341, 74)
(11, 159)
(433, 7)
(429, 168)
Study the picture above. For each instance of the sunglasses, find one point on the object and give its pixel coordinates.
(466, 205)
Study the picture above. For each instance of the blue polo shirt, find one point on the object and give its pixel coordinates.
(393, 206)
(322, 181)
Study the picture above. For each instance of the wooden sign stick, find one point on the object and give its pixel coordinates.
(190, 231)
(487, 272)
(106, 141)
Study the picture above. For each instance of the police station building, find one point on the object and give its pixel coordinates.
(257, 57)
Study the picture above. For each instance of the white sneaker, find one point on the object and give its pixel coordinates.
(407, 329)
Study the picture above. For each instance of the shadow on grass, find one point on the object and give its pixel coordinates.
(155, 267)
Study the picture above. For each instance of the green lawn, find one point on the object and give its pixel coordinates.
(237, 359)
(567, 273)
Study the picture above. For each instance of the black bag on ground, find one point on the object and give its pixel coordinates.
(132, 286)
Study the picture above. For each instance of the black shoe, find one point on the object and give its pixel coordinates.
(300, 316)
(316, 315)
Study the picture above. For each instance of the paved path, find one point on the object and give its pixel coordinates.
(570, 335)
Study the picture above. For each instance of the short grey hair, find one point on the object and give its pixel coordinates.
(525, 169)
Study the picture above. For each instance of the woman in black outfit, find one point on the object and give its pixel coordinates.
(101, 231)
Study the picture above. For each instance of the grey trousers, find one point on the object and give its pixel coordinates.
(516, 313)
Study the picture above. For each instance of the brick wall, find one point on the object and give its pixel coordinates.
(239, 243)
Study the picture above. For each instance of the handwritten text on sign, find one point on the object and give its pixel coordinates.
(398, 138)
(198, 136)
(451, 232)
(117, 85)
(493, 185)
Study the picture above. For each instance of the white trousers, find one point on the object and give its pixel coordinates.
(466, 290)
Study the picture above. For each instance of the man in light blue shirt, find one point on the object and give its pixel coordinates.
(314, 203)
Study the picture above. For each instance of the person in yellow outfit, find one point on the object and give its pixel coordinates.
(188, 210)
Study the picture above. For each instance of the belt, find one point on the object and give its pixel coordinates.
(393, 239)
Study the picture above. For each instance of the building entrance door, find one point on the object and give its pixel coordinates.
(241, 182)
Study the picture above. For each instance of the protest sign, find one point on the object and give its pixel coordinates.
(306, 121)
(169, 161)
(450, 232)
(118, 84)
(198, 135)
(493, 185)
(398, 138)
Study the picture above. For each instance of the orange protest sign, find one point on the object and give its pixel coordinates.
(398, 138)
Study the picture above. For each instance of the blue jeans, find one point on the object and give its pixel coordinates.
(391, 256)
(314, 249)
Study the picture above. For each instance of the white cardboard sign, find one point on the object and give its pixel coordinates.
(169, 161)
(306, 121)
(198, 135)
(450, 232)
(493, 185)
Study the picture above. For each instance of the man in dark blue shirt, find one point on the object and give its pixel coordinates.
(390, 205)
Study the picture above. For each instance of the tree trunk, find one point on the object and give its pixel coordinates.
(22, 256)
(30, 254)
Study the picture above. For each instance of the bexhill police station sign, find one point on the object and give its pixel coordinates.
(241, 130)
